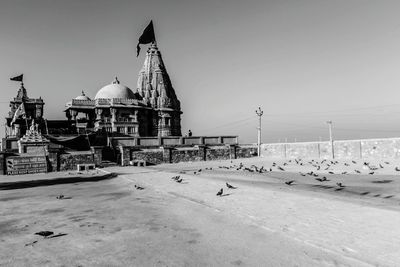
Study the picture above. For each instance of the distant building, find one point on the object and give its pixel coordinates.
(152, 109)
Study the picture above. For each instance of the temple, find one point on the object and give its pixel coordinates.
(152, 109)
(119, 125)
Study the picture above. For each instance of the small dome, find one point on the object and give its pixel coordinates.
(82, 97)
(115, 90)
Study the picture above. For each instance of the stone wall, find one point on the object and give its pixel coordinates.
(185, 153)
(343, 149)
(69, 161)
(2, 163)
(153, 156)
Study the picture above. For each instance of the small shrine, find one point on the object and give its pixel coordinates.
(33, 142)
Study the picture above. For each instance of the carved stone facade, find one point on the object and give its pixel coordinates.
(152, 109)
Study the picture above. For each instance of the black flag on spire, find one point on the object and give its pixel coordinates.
(146, 37)
(18, 78)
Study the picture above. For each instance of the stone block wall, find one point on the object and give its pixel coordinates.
(185, 153)
(343, 149)
(246, 151)
(218, 153)
(69, 161)
(153, 156)
(2, 163)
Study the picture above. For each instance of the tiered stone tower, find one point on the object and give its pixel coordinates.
(33, 111)
(155, 87)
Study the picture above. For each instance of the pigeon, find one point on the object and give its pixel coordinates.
(302, 174)
(230, 186)
(179, 180)
(340, 185)
(397, 169)
(319, 179)
(357, 171)
(355, 162)
(176, 177)
(346, 164)
(60, 197)
(344, 172)
(387, 163)
(318, 168)
(380, 165)
(45, 233)
(270, 169)
(371, 173)
(289, 182)
(331, 173)
(199, 170)
(138, 187)
(280, 168)
(220, 192)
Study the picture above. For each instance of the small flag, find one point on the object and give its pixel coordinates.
(17, 78)
(146, 37)
(20, 111)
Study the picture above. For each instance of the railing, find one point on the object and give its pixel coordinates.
(174, 140)
(78, 102)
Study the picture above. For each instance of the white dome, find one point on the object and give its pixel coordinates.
(82, 97)
(115, 90)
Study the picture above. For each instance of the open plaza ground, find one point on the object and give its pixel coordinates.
(349, 218)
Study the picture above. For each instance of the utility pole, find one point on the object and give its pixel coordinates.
(331, 138)
(259, 113)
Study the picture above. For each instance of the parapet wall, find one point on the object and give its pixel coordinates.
(343, 149)
(173, 141)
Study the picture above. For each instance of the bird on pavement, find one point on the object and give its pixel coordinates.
(357, 171)
(340, 185)
(289, 182)
(280, 168)
(179, 180)
(220, 192)
(45, 233)
(138, 187)
(60, 197)
(230, 186)
(397, 169)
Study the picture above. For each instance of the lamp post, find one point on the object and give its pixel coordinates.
(259, 113)
(331, 138)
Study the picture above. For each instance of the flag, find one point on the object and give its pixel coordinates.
(17, 78)
(20, 111)
(146, 37)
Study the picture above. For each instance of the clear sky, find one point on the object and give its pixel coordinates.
(303, 61)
